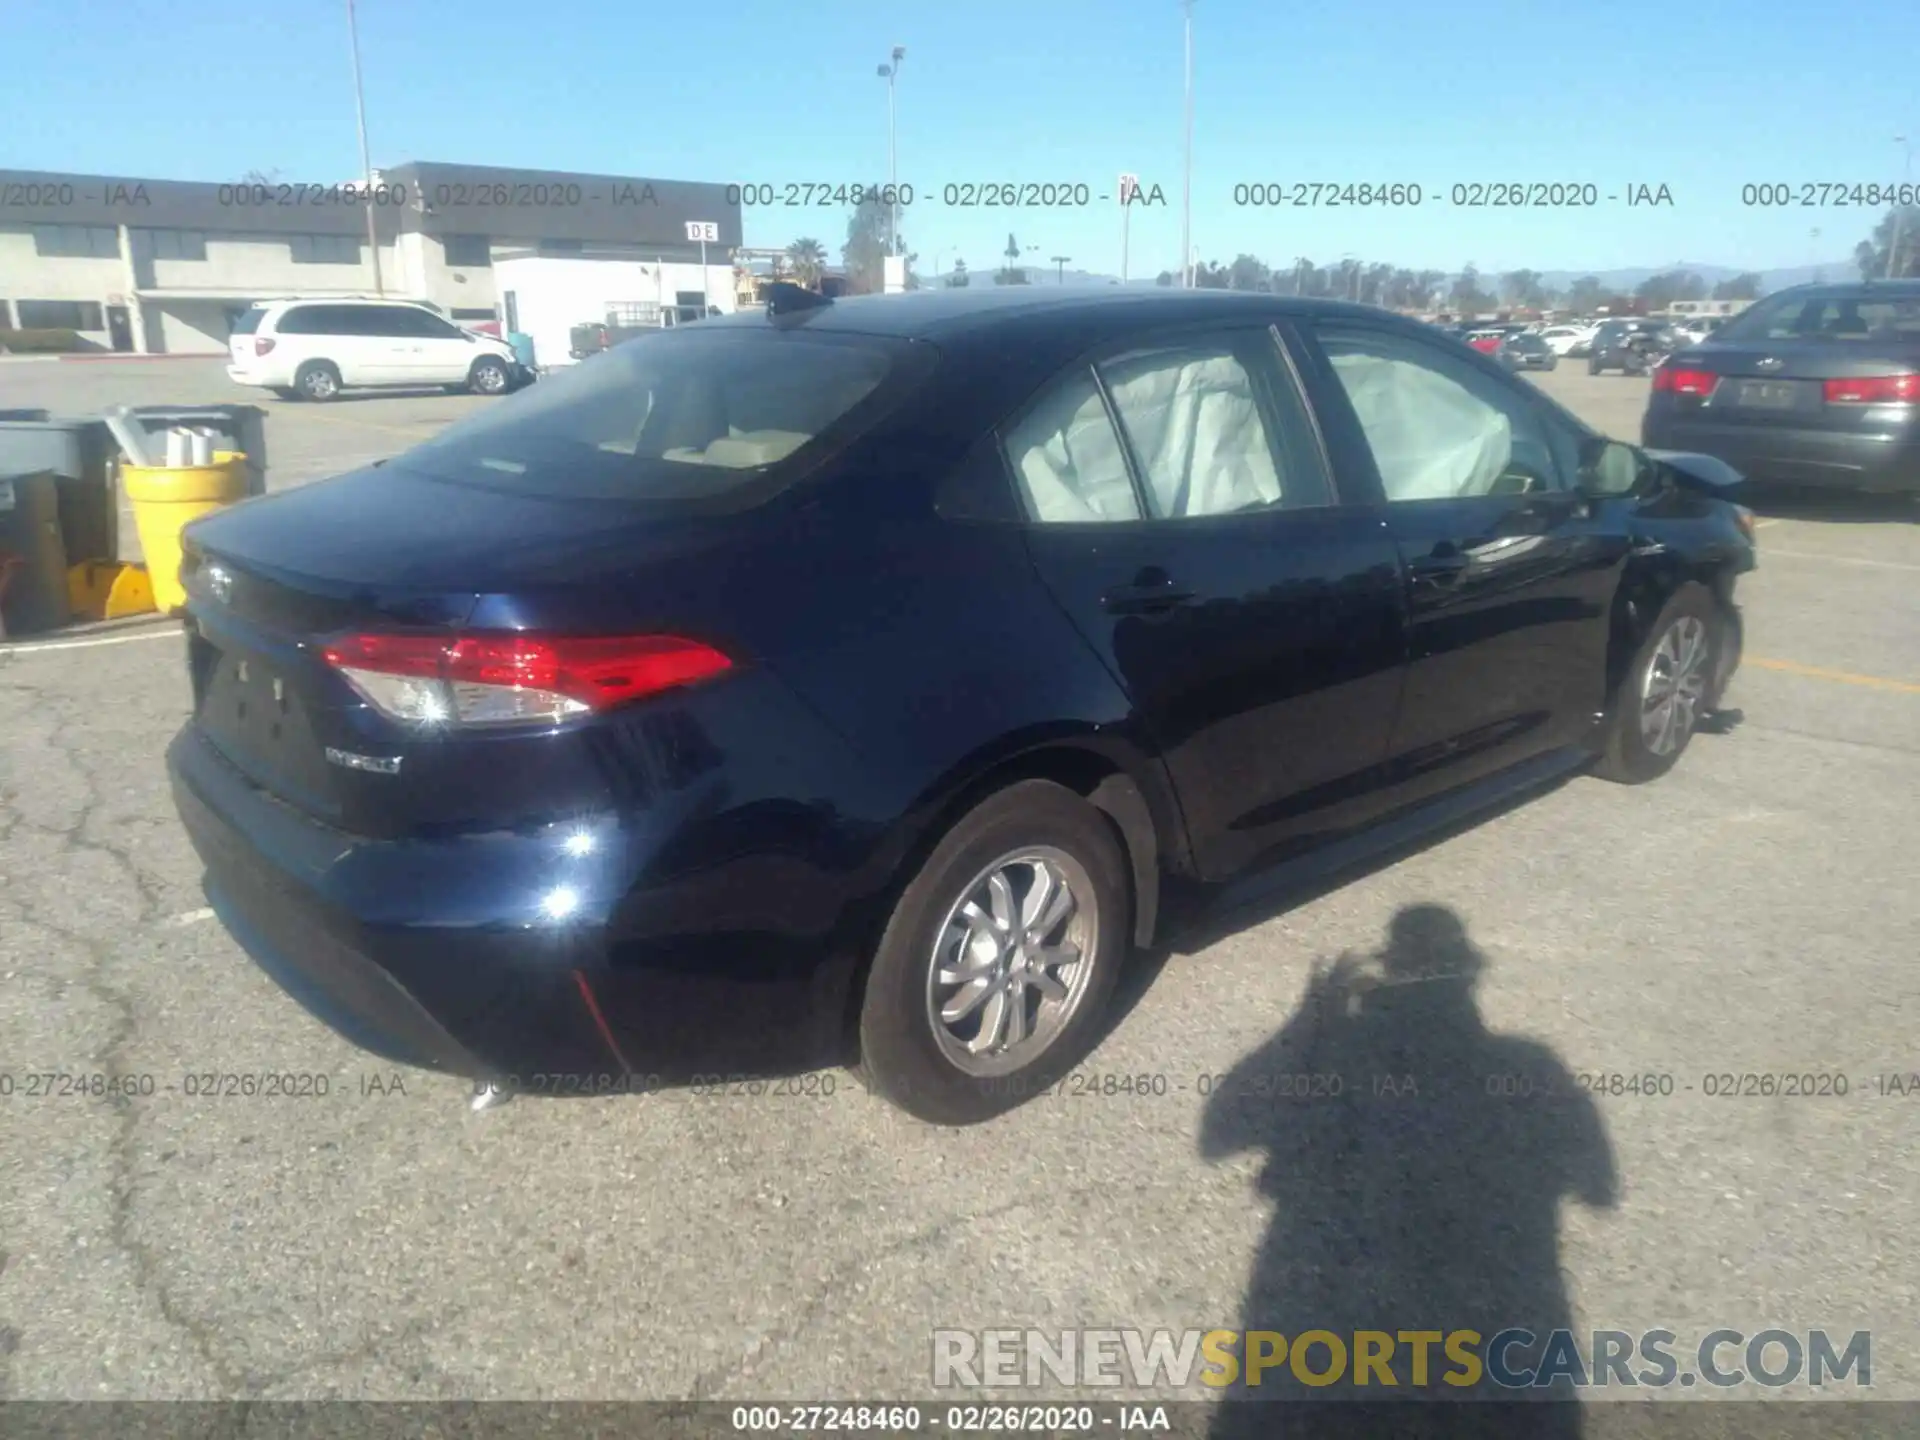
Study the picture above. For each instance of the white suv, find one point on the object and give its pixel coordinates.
(314, 349)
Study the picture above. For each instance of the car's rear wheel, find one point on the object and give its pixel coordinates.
(1593, 366)
(317, 380)
(1674, 678)
(489, 377)
(994, 971)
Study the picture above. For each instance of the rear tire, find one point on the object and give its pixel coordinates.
(968, 914)
(1593, 367)
(1675, 677)
(318, 381)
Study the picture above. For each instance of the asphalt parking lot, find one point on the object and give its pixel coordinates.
(1753, 913)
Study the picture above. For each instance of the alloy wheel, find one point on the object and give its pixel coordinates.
(1675, 684)
(1011, 961)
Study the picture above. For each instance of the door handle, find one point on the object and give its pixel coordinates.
(1145, 597)
(1439, 568)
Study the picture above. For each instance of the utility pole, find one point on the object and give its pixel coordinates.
(1186, 181)
(366, 155)
(890, 72)
(1899, 212)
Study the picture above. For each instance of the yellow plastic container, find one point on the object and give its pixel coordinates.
(165, 498)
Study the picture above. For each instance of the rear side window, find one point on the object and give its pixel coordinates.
(302, 320)
(681, 415)
(1862, 316)
(248, 321)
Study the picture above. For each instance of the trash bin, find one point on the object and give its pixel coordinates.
(81, 454)
(165, 498)
(33, 556)
(244, 426)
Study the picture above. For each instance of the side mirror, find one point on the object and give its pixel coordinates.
(1609, 469)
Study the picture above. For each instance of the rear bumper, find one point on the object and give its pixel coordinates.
(1816, 458)
(422, 952)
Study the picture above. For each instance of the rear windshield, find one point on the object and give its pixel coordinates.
(1858, 316)
(676, 415)
(248, 321)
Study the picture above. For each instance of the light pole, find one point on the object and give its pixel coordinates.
(1899, 212)
(1060, 268)
(366, 156)
(1186, 179)
(890, 72)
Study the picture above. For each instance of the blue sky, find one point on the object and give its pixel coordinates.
(1701, 97)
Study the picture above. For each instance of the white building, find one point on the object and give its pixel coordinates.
(162, 266)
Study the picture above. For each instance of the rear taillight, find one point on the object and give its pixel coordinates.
(1873, 390)
(1679, 380)
(262, 344)
(506, 679)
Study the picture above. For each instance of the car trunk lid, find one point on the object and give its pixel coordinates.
(1801, 383)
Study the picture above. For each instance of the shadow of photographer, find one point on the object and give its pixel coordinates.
(1416, 1161)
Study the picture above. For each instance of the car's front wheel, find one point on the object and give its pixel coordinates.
(1593, 365)
(996, 967)
(1675, 677)
(489, 377)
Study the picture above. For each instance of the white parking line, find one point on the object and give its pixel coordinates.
(190, 917)
(170, 632)
(1839, 559)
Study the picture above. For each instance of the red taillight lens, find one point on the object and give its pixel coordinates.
(505, 679)
(262, 344)
(1874, 390)
(1680, 381)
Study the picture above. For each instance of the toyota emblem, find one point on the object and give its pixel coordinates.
(1770, 363)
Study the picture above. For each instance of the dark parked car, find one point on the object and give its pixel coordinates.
(1630, 346)
(849, 680)
(1526, 351)
(1816, 386)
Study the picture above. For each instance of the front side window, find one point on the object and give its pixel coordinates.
(680, 415)
(1438, 429)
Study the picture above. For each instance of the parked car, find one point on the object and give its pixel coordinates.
(657, 722)
(1486, 341)
(1526, 352)
(1630, 346)
(1567, 341)
(1815, 386)
(314, 349)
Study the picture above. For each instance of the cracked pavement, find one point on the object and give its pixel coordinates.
(1753, 912)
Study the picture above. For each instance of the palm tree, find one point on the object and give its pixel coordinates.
(809, 259)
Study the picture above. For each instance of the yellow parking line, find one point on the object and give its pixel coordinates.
(1839, 677)
(1762, 524)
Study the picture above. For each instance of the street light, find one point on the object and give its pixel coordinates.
(1899, 212)
(890, 73)
(1186, 179)
(366, 156)
(1060, 268)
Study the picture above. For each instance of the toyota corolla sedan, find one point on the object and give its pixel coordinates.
(848, 682)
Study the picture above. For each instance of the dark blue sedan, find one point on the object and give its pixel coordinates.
(851, 682)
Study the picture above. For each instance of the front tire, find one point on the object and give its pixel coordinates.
(1593, 367)
(1675, 677)
(489, 377)
(993, 974)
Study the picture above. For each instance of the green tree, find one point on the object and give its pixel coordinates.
(808, 259)
(1467, 296)
(1585, 294)
(1012, 273)
(1660, 291)
(1248, 273)
(1744, 286)
(1523, 288)
(957, 278)
(870, 239)
(1873, 254)
(1211, 276)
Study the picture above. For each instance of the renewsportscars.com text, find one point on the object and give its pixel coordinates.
(1513, 1359)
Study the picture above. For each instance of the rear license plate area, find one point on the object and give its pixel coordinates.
(1766, 395)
